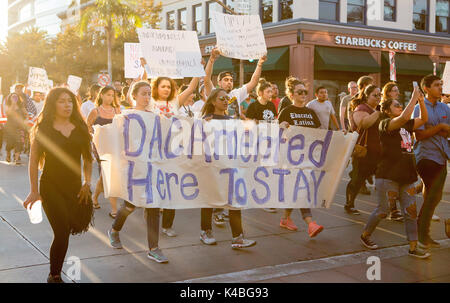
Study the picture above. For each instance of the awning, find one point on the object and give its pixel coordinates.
(345, 60)
(409, 64)
(223, 64)
(277, 60)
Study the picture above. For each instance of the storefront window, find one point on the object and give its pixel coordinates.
(420, 15)
(197, 18)
(170, 21)
(442, 16)
(356, 11)
(266, 11)
(389, 10)
(329, 10)
(286, 8)
(182, 19)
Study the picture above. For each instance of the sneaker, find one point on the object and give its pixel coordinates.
(170, 232)
(447, 227)
(226, 216)
(54, 279)
(419, 253)
(114, 239)
(351, 210)
(430, 243)
(8, 157)
(157, 255)
(288, 224)
(240, 242)
(364, 190)
(219, 220)
(207, 237)
(368, 243)
(314, 229)
(270, 210)
(396, 215)
(435, 218)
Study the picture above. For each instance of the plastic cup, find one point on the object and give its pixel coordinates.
(35, 212)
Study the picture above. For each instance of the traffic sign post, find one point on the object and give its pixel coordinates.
(104, 79)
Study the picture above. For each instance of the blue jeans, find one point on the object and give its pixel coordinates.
(388, 191)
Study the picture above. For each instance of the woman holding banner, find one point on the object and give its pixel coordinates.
(365, 117)
(107, 106)
(141, 93)
(298, 114)
(215, 107)
(60, 139)
(396, 171)
(166, 103)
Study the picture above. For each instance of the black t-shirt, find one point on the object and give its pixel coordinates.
(259, 112)
(299, 116)
(285, 102)
(397, 156)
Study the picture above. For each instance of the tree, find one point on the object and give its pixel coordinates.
(114, 17)
(150, 13)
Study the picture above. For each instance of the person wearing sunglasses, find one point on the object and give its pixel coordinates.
(396, 172)
(366, 118)
(299, 115)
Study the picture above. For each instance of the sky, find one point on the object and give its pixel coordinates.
(3, 19)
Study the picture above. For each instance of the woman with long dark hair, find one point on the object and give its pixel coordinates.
(107, 106)
(215, 108)
(15, 127)
(166, 103)
(396, 172)
(365, 117)
(141, 94)
(60, 139)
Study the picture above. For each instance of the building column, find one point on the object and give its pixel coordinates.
(204, 18)
(432, 16)
(276, 11)
(189, 16)
(301, 65)
(343, 11)
(376, 54)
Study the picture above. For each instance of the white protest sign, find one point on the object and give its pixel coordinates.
(239, 37)
(190, 163)
(174, 54)
(446, 78)
(132, 55)
(37, 80)
(74, 83)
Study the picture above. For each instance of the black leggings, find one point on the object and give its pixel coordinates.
(56, 205)
(235, 220)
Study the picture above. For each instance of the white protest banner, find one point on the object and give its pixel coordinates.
(189, 163)
(174, 54)
(74, 83)
(132, 58)
(239, 37)
(446, 78)
(37, 80)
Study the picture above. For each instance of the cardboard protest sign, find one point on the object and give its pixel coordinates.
(169, 53)
(446, 78)
(37, 80)
(239, 37)
(189, 163)
(132, 55)
(74, 83)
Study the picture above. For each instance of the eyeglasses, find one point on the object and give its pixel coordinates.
(301, 91)
(224, 98)
(398, 105)
(377, 95)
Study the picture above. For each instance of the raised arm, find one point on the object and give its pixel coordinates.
(256, 75)
(405, 116)
(364, 120)
(209, 70)
(423, 118)
(188, 91)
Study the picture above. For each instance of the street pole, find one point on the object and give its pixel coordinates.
(241, 62)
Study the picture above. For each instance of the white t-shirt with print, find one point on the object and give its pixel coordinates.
(198, 105)
(323, 111)
(239, 95)
(164, 108)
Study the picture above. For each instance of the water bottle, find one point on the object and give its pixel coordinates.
(35, 212)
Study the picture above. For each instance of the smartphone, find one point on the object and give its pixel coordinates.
(415, 84)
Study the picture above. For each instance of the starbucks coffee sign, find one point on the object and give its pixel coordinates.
(375, 43)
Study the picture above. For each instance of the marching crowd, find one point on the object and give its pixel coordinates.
(405, 148)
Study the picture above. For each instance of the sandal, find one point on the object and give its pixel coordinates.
(112, 215)
(96, 206)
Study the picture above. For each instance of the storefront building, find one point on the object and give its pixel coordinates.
(332, 42)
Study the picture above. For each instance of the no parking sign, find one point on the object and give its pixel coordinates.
(104, 79)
